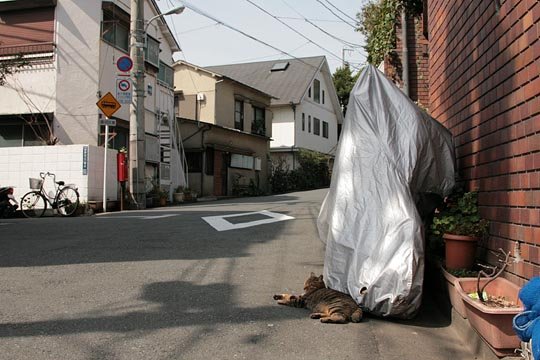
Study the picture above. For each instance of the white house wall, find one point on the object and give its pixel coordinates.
(78, 27)
(283, 127)
(323, 112)
(29, 91)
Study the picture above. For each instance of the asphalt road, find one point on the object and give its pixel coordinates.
(165, 284)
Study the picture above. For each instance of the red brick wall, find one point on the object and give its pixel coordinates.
(417, 46)
(485, 87)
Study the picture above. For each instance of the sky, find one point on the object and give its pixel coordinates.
(205, 42)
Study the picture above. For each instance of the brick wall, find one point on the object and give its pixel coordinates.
(417, 45)
(485, 87)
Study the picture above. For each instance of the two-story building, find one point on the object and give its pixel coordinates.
(72, 48)
(226, 127)
(305, 107)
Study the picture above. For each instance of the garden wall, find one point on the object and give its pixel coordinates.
(485, 87)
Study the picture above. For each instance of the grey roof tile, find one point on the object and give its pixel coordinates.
(287, 86)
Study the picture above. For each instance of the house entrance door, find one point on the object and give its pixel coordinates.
(221, 165)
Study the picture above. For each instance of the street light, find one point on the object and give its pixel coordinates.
(137, 158)
(174, 10)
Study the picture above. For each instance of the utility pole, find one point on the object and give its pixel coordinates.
(136, 109)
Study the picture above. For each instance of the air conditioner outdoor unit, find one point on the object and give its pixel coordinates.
(201, 97)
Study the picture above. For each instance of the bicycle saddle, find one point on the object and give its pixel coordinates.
(61, 183)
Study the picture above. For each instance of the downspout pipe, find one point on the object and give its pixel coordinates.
(405, 51)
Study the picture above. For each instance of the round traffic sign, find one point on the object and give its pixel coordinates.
(124, 85)
(124, 63)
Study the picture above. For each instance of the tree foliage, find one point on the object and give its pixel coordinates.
(377, 21)
(344, 81)
(11, 66)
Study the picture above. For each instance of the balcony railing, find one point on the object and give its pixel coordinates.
(37, 51)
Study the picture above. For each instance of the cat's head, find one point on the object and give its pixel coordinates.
(314, 282)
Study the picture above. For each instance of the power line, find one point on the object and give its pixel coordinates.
(205, 14)
(336, 15)
(348, 43)
(293, 29)
(297, 18)
(335, 7)
(197, 29)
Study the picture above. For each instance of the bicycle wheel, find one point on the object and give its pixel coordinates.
(67, 201)
(33, 204)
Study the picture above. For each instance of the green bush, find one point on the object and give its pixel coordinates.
(313, 173)
(460, 217)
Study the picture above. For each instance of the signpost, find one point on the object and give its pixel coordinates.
(108, 105)
(123, 91)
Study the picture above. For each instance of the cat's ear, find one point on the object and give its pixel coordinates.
(320, 277)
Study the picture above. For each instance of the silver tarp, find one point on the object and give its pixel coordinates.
(390, 152)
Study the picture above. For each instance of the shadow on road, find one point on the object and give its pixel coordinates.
(181, 304)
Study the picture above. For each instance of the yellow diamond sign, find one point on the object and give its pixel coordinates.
(108, 104)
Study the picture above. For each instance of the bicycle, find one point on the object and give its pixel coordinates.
(65, 200)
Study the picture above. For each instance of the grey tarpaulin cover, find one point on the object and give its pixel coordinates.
(389, 152)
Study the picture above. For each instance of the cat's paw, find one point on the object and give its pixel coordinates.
(278, 296)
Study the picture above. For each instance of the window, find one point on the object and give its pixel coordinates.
(242, 161)
(280, 66)
(151, 51)
(303, 122)
(309, 123)
(194, 161)
(115, 28)
(316, 126)
(166, 74)
(323, 97)
(309, 92)
(258, 124)
(15, 135)
(325, 129)
(317, 91)
(239, 115)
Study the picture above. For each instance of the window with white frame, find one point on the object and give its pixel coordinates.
(316, 126)
(317, 91)
(242, 161)
(303, 122)
(325, 129)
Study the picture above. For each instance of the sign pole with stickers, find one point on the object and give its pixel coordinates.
(108, 106)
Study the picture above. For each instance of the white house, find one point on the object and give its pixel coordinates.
(72, 47)
(306, 110)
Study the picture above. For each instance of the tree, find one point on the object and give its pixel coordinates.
(11, 66)
(344, 82)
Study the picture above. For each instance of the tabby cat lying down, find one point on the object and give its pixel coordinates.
(331, 306)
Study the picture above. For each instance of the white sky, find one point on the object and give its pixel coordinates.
(205, 43)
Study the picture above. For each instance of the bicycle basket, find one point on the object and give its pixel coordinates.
(35, 184)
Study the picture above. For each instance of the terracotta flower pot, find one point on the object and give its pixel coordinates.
(453, 294)
(460, 251)
(493, 324)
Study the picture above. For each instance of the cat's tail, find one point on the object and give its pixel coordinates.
(357, 315)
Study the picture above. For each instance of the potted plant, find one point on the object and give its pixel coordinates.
(461, 227)
(178, 194)
(450, 277)
(490, 305)
(187, 194)
(163, 197)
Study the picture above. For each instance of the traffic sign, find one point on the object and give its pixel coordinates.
(108, 104)
(124, 63)
(123, 91)
(109, 122)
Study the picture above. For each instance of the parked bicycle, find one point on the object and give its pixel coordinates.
(65, 199)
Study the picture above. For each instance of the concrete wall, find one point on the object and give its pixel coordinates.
(78, 29)
(485, 88)
(18, 164)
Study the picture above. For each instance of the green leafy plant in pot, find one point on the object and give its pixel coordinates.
(461, 227)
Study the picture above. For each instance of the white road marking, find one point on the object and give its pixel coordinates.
(220, 224)
(139, 217)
